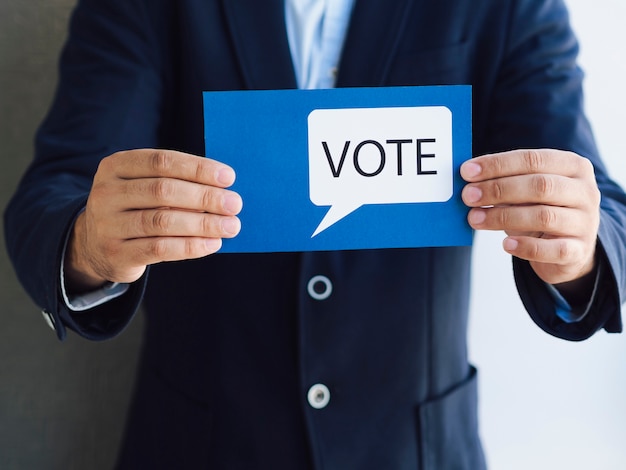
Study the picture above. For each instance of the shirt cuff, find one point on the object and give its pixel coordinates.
(89, 300)
(564, 310)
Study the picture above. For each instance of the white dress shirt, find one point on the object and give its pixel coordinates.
(316, 30)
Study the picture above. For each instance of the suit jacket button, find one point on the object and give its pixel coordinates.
(320, 287)
(318, 396)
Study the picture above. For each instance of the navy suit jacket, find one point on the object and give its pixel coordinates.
(234, 342)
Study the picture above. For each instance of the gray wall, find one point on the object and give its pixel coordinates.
(61, 404)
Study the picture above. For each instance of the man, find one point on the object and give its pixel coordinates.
(306, 360)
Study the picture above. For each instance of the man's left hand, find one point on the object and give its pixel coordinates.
(548, 203)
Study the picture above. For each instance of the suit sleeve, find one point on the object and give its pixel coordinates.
(109, 98)
(538, 99)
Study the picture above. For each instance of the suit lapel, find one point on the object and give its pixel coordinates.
(373, 35)
(260, 38)
(259, 35)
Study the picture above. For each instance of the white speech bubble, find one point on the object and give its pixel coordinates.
(361, 156)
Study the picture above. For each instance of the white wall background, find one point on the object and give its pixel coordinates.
(548, 403)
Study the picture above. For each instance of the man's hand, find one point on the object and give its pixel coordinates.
(548, 203)
(148, 206)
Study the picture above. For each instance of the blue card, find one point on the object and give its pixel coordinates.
(345, 168)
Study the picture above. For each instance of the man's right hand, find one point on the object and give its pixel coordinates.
(148, 206)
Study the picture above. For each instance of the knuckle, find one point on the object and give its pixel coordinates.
(585, 166)
(546, 218)
(534, 251)
(158, 248)
(206, 225)
(190, 248)
(596, 196)
(497, 165)
(207, 198)
(564, 251)
(533, 160)
(591, 202)
(503, 218)
(99, 190)
(202, 172)
(162, 190)
(161, 220)
(161, 161)
(107, 169)
(497, 190)
(543, 186)
(106, 164)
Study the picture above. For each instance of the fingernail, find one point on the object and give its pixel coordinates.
(510, 244)
(477, 217)
(231, 225)
(471, 170)
(473, 194)
(212, 244)
(226, 176)
(232, 203)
